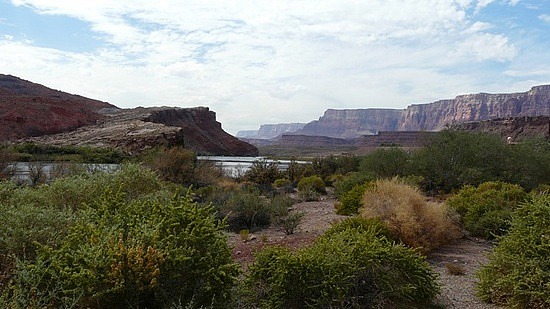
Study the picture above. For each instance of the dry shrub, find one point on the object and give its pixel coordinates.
(455, 269)
(409, 216)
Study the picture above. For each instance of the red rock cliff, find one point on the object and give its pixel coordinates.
(30, 111)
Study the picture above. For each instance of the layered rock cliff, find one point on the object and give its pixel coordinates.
(134, 130)
(476, 107)
(512, 129)
(352, 123)
(32, 112)
(269, 131)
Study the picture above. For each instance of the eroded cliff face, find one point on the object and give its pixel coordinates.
(32, 112)
(513, 129)
(201, 132)
(269, 131)
(476, 107)
(135, 130)
(352, 123)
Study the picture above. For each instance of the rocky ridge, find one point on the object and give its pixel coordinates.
(29, 109)
(512, 129)
(135, 130)
(32, 112)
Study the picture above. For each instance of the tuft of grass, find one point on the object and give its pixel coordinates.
(455, 269)
(245, 235)
(417, 222)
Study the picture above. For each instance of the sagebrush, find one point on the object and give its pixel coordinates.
(409, 216)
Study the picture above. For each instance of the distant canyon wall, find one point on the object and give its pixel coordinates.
(269, 131)
(476, 107)
(353, 123)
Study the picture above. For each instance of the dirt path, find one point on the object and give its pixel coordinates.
(457, 291)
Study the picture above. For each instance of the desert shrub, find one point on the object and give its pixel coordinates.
(24, 225)
(455, 269)
(345, 183)
(315, 183)
(529, 163)
(371, 226)
(349, 268)
(518, 272)
(350, 202)
(263, 173)
(281, 182)
(308, 194)
(284, 185)
(42, 216)
(247, 209)
(453, 159)
(175, 164)
(413, 220)
(329, 165)
(385, 163)
(486, 210)
(279, 206)
(147, 252)
(207, 173)
(290, 222)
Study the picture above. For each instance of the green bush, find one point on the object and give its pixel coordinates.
(530, 163)
(176, 164)
(291, 221)
(386, 163)
(279, 206)
(345, 183)
(23, 226)
(308, 194)
(350, 202)
(347, 268)
(263, 174)
(518, 272)
(284, 184)
(247, 209)
(486, 210)
(147, 252)
(315, 183)
(82, 154)
(43, 214)
(371, 226)
(453, 159)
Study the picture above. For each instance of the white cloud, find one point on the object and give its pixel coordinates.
(545, 18)
(486, 46)
(483, 3)
(279, 60)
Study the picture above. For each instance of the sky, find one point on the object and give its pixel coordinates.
(262, 62)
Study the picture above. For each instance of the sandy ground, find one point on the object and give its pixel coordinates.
(457, 291)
